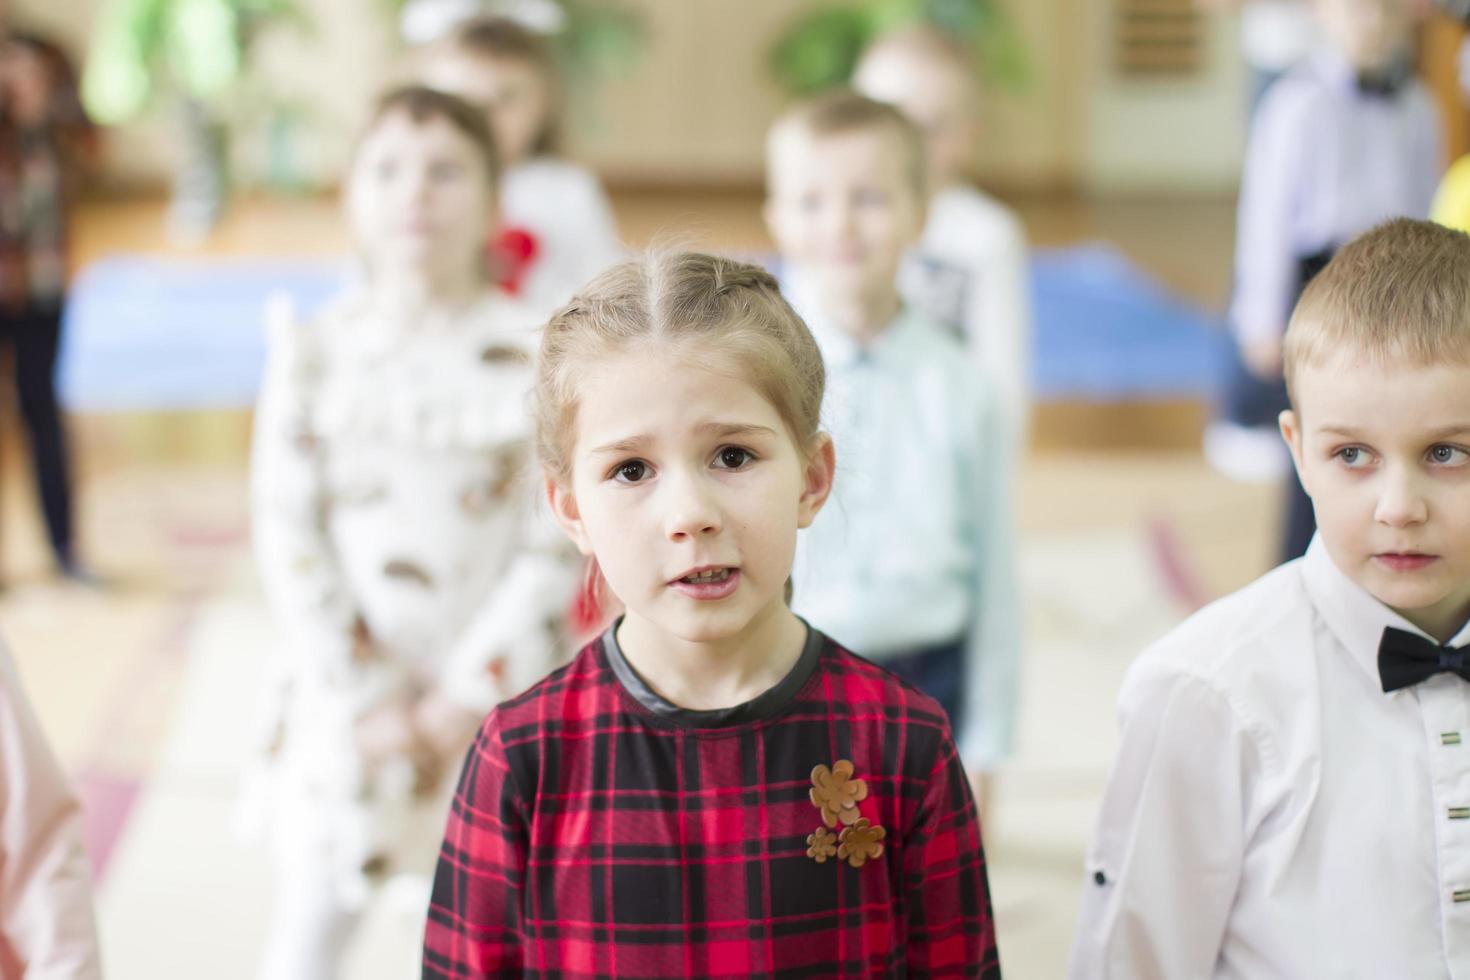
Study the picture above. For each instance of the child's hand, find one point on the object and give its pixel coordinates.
(387, 733)
(1263, 358)
(444, 726)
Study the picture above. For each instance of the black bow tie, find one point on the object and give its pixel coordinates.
(1382, 84)
(1405, 659)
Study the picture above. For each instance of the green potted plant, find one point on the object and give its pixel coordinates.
(821, 48)
(194, 55)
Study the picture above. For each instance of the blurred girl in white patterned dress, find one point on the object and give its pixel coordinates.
(398, 542)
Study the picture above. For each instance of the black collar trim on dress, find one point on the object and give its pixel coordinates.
(764, 706)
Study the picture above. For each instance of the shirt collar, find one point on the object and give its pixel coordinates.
(766, 705)
(1351, 612)
(839, 349)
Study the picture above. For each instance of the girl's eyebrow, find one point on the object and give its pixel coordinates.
(735, 429)
(629, 445)
(723, 430)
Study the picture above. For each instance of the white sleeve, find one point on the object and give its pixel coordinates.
(297, 564)
(993, 655)
(46, 912)
(513, 641)
(1001, 314)
(1166, 856)
(1266, 270)
(598, 243)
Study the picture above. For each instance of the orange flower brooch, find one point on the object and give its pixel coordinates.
(837, 795)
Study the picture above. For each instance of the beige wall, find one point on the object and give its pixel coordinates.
(697, 106)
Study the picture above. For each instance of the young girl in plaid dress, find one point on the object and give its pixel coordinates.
(712, 787)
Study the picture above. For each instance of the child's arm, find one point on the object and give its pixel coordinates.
(297, 564)
(511, 643)
(993, 659)
(951, 931)
(1000, 308)
(46, 916)
(1265, 254)
(474, 927)
(1165, 861)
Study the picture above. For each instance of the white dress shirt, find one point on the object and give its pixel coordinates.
(915, 548)
(564, 208)
(1325, 164)
(1271, 812)
(48, 929)
(970, 274)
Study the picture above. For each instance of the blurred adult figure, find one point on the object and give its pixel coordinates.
(45, 139)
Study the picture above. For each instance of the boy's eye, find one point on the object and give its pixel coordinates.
(1352, 456)
(633, 471)
(733, 457)
(1449, 455)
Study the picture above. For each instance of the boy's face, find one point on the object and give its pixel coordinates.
(1370, 33)
(1384, 452)
(418, 196)
(844, 208)
(937, 96)
(677, 470)
(511, 92)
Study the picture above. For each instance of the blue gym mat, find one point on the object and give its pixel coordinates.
(146, 333)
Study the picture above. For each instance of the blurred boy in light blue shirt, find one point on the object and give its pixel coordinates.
(914, 566)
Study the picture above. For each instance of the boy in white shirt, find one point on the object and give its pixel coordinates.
(970, 270)
(914, 565)
(1291, 797)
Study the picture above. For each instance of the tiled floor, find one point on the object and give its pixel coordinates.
(146, 687)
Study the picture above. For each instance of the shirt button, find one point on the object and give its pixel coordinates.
(1102, 879)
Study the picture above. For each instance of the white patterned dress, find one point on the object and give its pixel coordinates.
(392, 492)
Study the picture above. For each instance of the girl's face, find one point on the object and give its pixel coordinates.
(28, 84)
(1371, 33)
(511, 91)
(689, 490)
(419, 198)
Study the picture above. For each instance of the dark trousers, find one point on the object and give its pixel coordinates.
(34, 336)
(1253, 402)
(937, 671)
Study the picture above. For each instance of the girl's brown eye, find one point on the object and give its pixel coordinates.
(632, 472)
(733, 458)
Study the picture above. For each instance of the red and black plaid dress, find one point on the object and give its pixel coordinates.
(600, 831)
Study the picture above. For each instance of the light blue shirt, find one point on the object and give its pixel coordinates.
(915, 548)
(1325, 164)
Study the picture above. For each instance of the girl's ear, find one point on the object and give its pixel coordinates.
(564, 508)
(821, 467)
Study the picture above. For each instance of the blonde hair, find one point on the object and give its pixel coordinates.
(1400, 292)
(843, 111)
(703, 303)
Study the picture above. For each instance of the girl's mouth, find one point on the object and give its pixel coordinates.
(708, 583)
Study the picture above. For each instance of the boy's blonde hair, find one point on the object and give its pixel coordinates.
(1400, 292)
(843, 111)
(706, 306)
